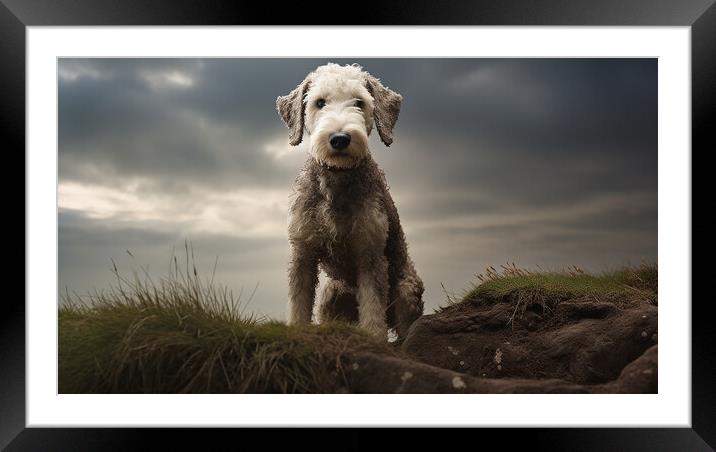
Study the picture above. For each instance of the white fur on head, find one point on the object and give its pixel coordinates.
(354, 100)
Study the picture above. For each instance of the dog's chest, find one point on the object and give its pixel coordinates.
(336, 221)
(347, 211)
(340, 214)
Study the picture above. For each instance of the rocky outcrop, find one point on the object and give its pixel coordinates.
(370, 373)
(373, 373)
(575, 346)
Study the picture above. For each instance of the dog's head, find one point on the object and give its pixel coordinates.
(337, 106)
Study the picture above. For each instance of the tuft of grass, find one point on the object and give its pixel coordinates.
(185, 335)
(525, 288)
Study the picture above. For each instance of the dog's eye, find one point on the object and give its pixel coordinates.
(359, 103)
(320, 103)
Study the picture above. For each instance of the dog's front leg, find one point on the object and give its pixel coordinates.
(373, 296)
(302, 282)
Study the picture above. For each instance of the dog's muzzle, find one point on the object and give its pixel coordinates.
(339, 140)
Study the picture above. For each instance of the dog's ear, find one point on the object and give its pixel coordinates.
(293, 111)
(386, 106)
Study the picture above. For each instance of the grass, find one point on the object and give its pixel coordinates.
(525, 288)
(187, 335)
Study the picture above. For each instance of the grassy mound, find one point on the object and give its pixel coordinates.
(183, 335)
(525, 288)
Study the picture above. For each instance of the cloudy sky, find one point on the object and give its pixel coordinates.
(549, 162)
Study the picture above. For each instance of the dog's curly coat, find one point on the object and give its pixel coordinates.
(342, 217)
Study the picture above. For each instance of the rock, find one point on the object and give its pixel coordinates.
(582, 343)
(639, 377)
(378, 373)
(371, 373)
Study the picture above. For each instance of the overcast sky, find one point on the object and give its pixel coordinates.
(549, 162)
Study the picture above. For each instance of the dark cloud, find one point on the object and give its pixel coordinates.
(523, 112)
(486, 150)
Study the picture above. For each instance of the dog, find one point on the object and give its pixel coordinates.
(341, 215)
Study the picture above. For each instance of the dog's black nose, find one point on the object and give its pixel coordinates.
(339, 140)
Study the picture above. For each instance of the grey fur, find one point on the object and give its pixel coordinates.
(336, 223)
(292, 111)
(387, 108)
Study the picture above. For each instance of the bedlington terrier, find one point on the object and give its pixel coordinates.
(342, 217)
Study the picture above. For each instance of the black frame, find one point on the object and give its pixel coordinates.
(15, 15)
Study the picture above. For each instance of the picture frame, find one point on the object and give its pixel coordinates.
(15, 16)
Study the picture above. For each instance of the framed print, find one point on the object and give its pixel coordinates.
(385, 224)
